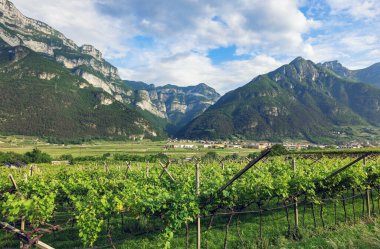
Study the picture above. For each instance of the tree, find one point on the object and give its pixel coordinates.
(37, 156)
(278, 149)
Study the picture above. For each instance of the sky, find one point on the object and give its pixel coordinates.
(222, 43)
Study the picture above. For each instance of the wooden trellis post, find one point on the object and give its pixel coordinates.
(164, 170)
(295, 198)
(367, 194)
(13, 182)
(22, 236)
(197, 183)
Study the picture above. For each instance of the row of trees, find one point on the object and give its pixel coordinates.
(34, 156)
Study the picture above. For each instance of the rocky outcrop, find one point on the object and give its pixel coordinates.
(19, 30)
(178, 105)
(22, 29)
(90, 50)
(369, 75)
(46, 76)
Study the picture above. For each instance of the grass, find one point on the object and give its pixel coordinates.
(22, 144)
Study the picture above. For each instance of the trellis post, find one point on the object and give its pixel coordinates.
(367, 194)
(197, 183)
(295, 198)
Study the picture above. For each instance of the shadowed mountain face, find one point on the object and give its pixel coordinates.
(40, 97)
(369, 75)
(300, 100)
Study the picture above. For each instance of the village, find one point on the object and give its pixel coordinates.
(206, 144)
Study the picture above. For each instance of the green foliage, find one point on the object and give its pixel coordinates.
(233, 157)
(94, 194)
(278, 149)
(67, 157)
(210, 156)
(253, 155)
(11, 157)
(106, 155)
(137, 158)
(37, 156)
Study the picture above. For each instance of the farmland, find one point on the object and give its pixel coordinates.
(22, 144)
(125, 204)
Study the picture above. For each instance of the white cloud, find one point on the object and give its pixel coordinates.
(193, 68)
(79, 21)
(186, 30)
(183, 32)
(186, 25)
(359, 9)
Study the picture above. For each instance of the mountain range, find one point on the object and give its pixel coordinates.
(300, 100)
(43, 57)
(178, 105)
(369, 75)
(51, 87)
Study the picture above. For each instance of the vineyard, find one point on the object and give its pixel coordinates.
(246, 203)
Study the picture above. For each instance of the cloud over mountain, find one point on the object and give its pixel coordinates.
(168, 41)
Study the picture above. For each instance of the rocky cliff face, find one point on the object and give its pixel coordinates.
(19, 30)
(178, 105)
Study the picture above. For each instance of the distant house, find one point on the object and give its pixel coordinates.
(296, 146)
(234, 146)
(182, 146)
(259, 146)
(60, 162)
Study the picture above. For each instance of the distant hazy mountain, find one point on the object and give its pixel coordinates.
(178, 105)
(300, 100)
(370, 75)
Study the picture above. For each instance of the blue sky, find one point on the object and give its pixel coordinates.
(220, 42)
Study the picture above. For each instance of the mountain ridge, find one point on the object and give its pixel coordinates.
(179, 105)
(369, 75)
(40, 97)
(298, 100)
(88, 63)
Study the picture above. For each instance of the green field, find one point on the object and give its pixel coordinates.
(22, 144)
(136, 207)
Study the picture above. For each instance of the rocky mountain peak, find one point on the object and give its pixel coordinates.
(333, 64)
(302, 66)
(337, 68)
(86, 61)
(298, 100)
(298, 70)
(18, 29)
